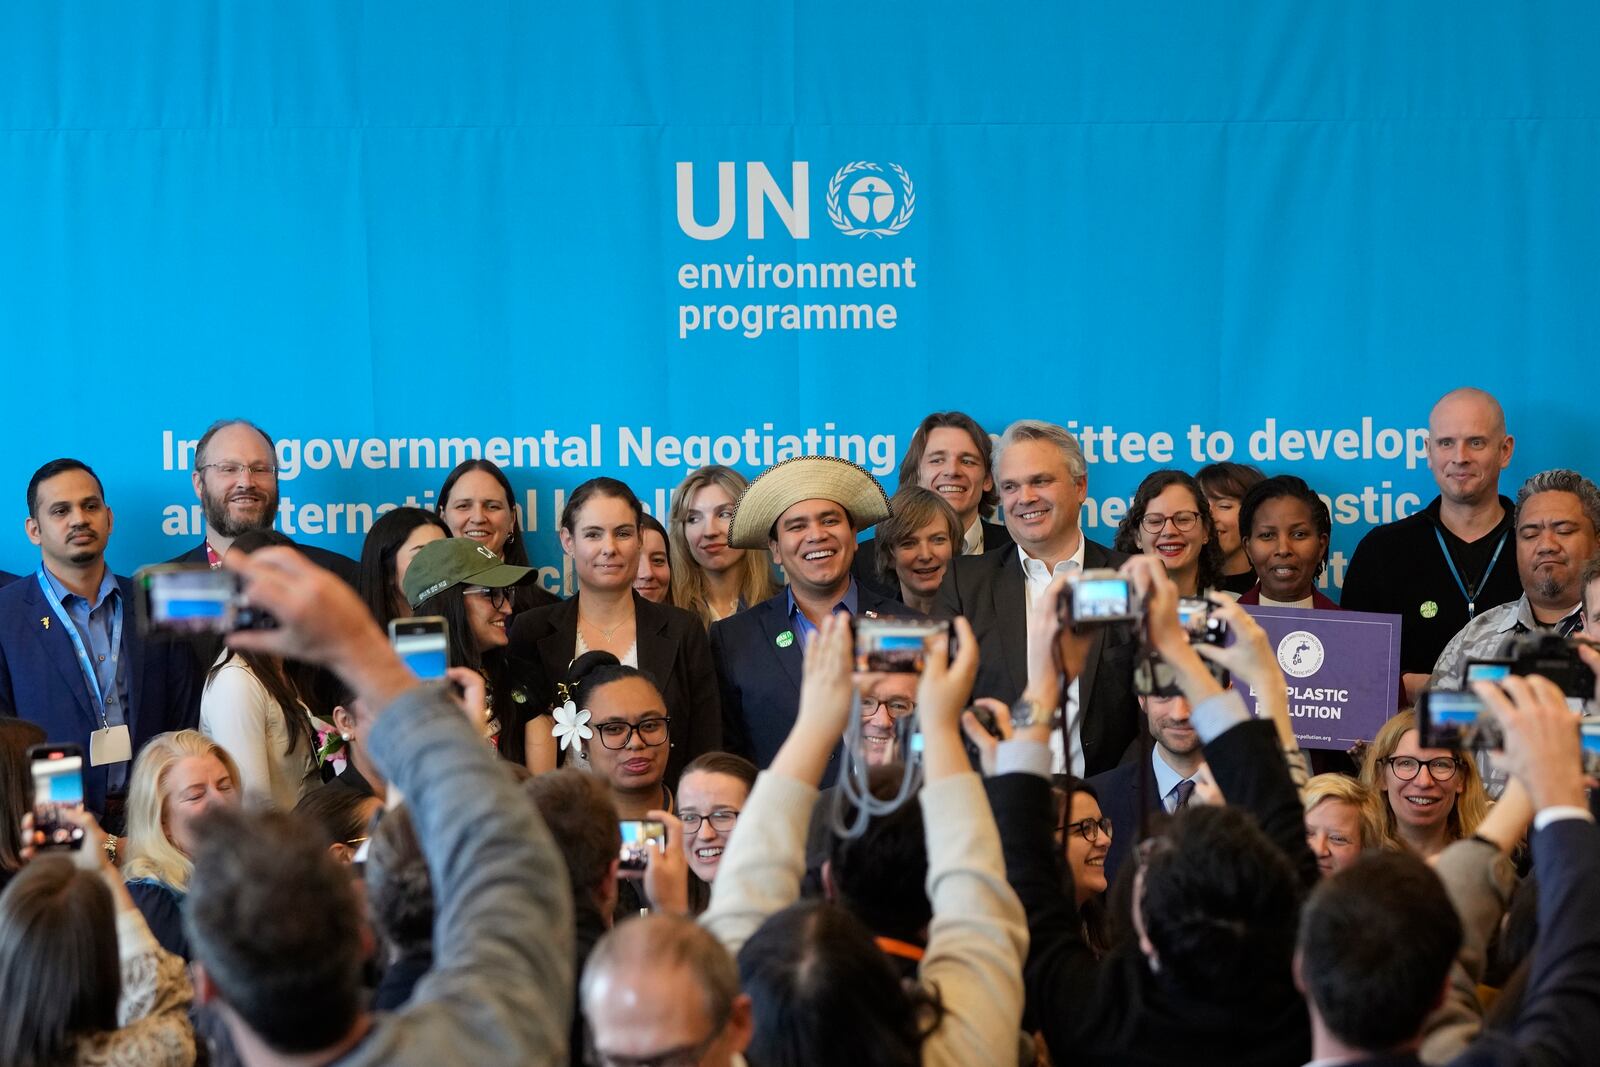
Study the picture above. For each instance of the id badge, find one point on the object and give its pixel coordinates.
(112, 745)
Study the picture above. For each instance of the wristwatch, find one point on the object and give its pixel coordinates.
(110, 845)
(1026, 714)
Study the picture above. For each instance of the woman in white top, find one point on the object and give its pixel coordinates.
(254, 707)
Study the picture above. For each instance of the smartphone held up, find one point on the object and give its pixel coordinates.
(57, 772)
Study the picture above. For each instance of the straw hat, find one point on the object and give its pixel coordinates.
(783, 485)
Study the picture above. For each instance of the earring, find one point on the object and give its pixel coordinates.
(346, 737)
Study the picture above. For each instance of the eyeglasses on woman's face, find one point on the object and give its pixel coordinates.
(1182, 521)
(1088, 829)
(722, 820)
(497, 597)
(1440, 768)
(616, 735)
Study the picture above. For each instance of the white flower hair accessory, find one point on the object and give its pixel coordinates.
(571, 724)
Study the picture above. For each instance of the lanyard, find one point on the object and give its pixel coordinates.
(84, 661)
(1477, 587)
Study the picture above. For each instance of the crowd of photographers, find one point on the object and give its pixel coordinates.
(965, 792)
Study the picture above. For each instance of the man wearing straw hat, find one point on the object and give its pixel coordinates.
(807, 511)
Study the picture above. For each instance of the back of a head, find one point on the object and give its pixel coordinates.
(274, 920)
(666, 942)
(1376, 943)
(16, 786)
(578, 809)
(59, 971)
(338, 815)
(399, 888)
(823, 993)
(1219, 904)
(881, 876)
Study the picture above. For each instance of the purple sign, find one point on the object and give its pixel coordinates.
(1343, 670)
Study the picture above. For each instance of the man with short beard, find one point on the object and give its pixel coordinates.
(235, 477)
(1557, 530)
(71, 656)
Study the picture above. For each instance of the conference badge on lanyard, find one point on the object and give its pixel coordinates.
(109, 744)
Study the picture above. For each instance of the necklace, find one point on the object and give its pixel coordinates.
(601, 630)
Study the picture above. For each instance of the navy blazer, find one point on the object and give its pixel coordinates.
(6, 578)
(865, 567)
(1118, 790)
(672, 649)
(991, 591)
(760, 679)
(40, 679)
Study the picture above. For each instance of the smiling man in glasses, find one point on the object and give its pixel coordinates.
(660, 991)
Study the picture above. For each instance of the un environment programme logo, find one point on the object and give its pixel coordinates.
(870, 201)
(797, 286)
(1300, 654)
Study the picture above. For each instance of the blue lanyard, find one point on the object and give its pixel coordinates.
(84, 660)
(1471, 597)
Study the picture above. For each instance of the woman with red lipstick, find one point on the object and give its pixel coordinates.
(1286, 527)
(600, 529)
(1170, 519)
(712, 579)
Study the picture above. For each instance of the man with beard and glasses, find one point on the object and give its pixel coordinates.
(71, 658)
(1557, 530)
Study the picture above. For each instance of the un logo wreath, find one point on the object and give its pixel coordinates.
(908, 201)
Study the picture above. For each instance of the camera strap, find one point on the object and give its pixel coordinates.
(85, 662)
(1471, 595)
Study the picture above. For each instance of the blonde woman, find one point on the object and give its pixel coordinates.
(1428, 797)
(1342, 821)
(709, 577)
(178, 777)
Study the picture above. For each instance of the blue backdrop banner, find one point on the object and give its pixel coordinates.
(630, 239)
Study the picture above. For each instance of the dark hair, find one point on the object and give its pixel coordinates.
(594, 670)
(1156, 483)
(1285, 485)
(956, 420)
(222, 424)
(338, 814)
(1219, 903)
(514, 551)
(60, 977)
(722, 763)
(881, 876)
(16, 787)
(1232, 480)
(594, 487)
(399, 888)
(648, 521)
(578, 809)
(1095, 913)
(50, 470)
(912, 508)
(1376, 941)
(823, 992)
(291, 973)
(375, 574)
(288, 682)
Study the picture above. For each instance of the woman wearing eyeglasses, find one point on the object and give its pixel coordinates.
(1085, 833)
(1170, 519)
(711, 794)
(622, 730)
(1431, 796)
(472, 589)
(600, 532)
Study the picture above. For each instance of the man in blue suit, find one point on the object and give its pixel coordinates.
(71, 658)
(807, 512)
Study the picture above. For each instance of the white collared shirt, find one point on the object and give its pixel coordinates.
(972, 540)
(1036, 580)
(1167, 779)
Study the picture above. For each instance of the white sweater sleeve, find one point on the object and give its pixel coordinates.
(234, 712)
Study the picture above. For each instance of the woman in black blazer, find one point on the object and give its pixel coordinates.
(600, 531)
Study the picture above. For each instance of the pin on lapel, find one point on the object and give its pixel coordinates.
(45, 622)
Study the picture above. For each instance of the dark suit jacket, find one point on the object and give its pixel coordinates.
(991, 591)
(6, 578)
(40, 679)
(673, 650)
(1118, 790)
(865, 567)
(761, 681)
(1115, 1010)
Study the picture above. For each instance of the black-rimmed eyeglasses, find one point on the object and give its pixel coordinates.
(615, 735)
(1440, 768)
(722, 820)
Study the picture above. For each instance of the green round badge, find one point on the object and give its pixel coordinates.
(1429, 609)
(785, 639)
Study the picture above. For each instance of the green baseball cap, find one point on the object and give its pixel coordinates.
(457, 561)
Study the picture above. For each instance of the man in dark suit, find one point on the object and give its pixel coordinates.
(1378, 938)
(950, 454)
(6, 578)
(1042, 478)
(807, 512)
(71, 657)
(1136, 794)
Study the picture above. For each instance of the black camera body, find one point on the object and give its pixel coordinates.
(1555, 658)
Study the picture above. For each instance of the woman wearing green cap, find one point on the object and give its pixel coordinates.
(471, 588)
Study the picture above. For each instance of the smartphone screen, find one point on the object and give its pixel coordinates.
(1487, 670)
(638, 837)
(57, 788)
(180, 599)
(421, 644)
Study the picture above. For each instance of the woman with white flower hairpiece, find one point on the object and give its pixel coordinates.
(615, 721)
